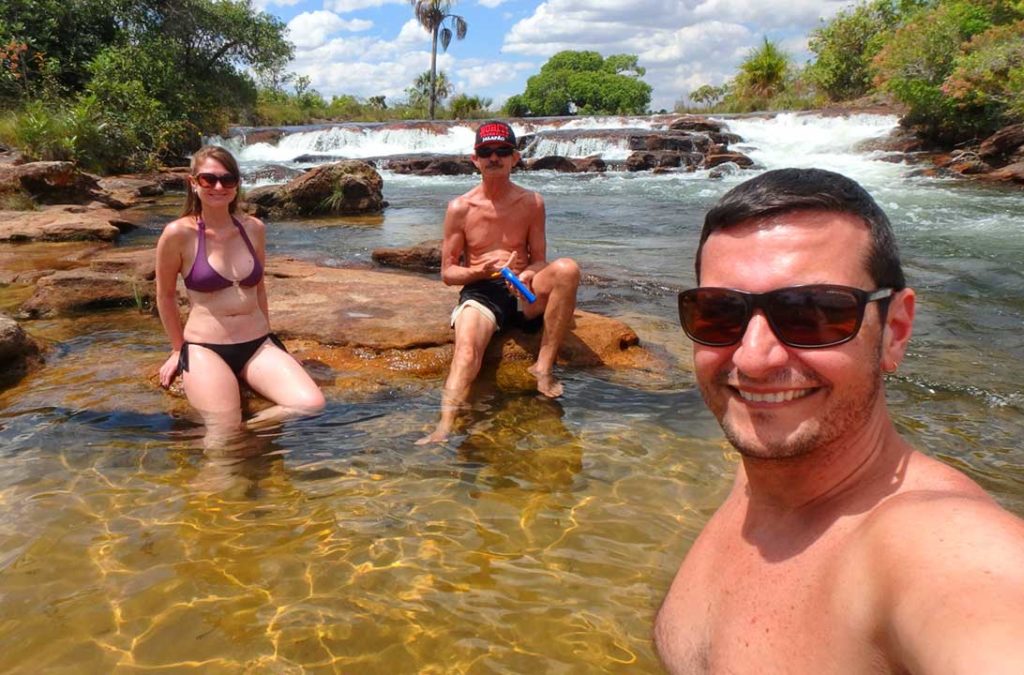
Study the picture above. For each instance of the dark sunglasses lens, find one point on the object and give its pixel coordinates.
(485, 153)
(814, 316)
(713, 316)
(209, 180)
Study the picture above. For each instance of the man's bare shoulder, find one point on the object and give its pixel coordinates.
(941, 517)
(462, 204)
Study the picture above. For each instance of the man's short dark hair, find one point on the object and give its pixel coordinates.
(785, 190)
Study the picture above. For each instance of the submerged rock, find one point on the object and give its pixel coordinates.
(19, 353)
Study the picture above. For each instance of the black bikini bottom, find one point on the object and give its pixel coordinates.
(235, 355)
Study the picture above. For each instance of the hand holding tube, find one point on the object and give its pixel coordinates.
(520, 286)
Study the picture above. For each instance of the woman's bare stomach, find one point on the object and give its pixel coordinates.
(226, 319)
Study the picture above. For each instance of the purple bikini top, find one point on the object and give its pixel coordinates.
(203, 278)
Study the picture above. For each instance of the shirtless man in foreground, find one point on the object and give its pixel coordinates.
(499, 224)
(841, 548)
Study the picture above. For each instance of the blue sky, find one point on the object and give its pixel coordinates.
(372, 47)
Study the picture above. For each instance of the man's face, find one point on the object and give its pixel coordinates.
(777, 401)
(492, 158)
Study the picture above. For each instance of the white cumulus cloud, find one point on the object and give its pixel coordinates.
(682, 43)
(311, 29)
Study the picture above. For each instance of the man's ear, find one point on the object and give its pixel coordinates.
(899, 325)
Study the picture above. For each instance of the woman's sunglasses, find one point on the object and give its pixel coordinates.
(484, 153)
(819, 315)
(209, 180)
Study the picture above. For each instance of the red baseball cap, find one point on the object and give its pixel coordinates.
(494, 132)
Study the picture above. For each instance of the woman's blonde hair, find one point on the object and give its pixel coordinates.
(193, 207)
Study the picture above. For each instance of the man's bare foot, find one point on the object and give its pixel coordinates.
(547, 384)
(440, 435)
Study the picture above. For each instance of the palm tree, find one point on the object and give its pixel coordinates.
(763, 73)
(419, 92)
(434, 15)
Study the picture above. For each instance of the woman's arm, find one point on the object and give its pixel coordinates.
(168, 266)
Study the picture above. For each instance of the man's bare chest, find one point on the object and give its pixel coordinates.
(734, 609)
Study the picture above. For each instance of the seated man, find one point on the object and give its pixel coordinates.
(841, 548)
(499, 224)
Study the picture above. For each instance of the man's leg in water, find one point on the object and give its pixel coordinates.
(473, 331)
(555, 287)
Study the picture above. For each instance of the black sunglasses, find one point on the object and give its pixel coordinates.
(484, 153)
(209, 180)
(819, 315)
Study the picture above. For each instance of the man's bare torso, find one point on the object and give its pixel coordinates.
(797, 594)
(499, 225)
(734, 609)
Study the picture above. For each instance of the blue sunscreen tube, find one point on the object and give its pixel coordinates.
(520, 286)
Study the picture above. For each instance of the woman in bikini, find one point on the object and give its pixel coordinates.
(220, 253)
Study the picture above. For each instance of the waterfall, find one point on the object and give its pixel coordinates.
(786, 139)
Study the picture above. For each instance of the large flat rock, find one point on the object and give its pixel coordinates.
(62, 223)
(360, 325)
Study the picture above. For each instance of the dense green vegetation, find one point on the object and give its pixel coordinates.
(584, 83)
(119, 85)
(956, 65)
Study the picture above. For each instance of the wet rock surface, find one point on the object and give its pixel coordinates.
(343, 188)
(19, 353)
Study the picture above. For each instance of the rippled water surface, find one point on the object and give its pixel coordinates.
(541, 539)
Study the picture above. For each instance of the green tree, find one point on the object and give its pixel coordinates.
(846, 46)
(583, 82)
(428, 89)
(164, 71)
(914, 65)
(987, 82)
(60, 37)
(434, 15)
(708, 95)
(463, 107)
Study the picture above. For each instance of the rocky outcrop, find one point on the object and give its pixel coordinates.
(663, 159)
(268, 136)
(355, 321)
(343, 310)
(696, 123)
(19, 353)
(49, 182)
(552, 163)
(428, 165)
(114, 278)
(593, 164)
(344, 188)
(63, 223)
(122, 192)
(713, 159)
(1011, 172)
(1004, 146)
(423, 257)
